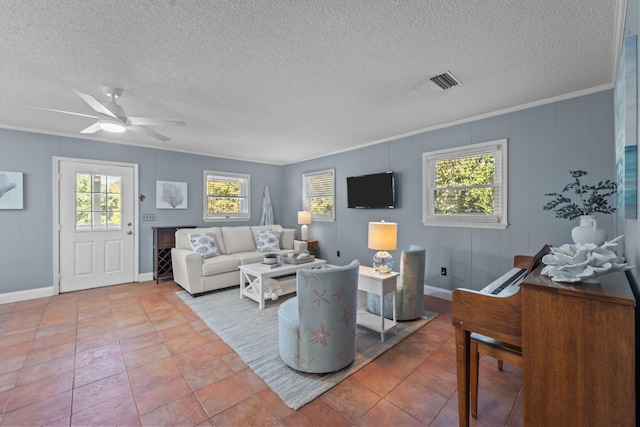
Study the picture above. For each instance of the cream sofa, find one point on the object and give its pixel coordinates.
(235, 246)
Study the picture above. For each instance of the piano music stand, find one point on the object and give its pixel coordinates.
(502, 351)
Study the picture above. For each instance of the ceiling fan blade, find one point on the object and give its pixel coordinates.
(95, 104)
(148, 132)
(146, 121)
(62, 111)
(91, 129)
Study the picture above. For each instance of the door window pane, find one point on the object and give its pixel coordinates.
(98, 201)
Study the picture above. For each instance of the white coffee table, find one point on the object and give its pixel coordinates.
(256, 274)
(379, 284)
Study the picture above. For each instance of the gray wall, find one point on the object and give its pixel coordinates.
(545, 143)
(26, 240)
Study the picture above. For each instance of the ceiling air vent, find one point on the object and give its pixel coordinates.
(445, 81)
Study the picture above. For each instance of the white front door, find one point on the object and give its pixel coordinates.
(96, 224)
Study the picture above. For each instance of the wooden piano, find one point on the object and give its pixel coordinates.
(578, 344)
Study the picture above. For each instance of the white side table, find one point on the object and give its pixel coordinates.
(379, 284)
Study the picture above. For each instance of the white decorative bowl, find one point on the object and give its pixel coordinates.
(270, 260)
(582, 262)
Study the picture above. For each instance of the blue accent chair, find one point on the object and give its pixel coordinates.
(317, 328)
(410, 292)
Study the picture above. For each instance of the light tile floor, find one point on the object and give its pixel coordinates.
(135, 354)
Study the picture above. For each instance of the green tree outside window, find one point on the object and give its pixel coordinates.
(223, 197)
(98, 201)
(465, 185)
(226, 196)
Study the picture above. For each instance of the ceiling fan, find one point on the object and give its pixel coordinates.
(112, 118)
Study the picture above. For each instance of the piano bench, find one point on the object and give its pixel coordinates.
(502, 351)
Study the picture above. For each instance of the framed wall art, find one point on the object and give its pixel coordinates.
(11, 190)
(171, 195)
(626, 129)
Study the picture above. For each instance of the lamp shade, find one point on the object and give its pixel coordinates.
(383, 235)
(304, 217)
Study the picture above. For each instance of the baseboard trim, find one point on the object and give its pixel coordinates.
(437, 292)
(145, 277)
(48, 291)
(26, 295)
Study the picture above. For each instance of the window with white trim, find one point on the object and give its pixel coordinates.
(318, 194)
(466, 186)
(226, 196)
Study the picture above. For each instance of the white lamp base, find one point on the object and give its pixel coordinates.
(382, 262)
(304, 232)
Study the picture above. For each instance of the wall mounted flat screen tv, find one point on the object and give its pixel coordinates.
(371, 191)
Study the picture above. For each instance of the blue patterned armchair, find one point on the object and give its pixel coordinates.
(317, 328)
(410, 292)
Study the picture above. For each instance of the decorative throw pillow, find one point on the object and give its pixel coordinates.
(268, 241)
(204, 245)
(287, 236)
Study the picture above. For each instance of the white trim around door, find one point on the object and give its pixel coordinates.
(132, 225)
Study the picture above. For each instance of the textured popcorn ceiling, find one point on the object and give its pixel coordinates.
(308, 77)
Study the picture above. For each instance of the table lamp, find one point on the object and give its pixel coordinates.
(304, 218)
(383, 237)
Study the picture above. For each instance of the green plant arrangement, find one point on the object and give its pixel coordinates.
(590, 198)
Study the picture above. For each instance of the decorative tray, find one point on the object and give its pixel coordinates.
(294, 261)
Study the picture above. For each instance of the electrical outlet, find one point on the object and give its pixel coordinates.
(148, 217)
(443, 271)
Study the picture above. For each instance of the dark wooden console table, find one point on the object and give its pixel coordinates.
(164, 238)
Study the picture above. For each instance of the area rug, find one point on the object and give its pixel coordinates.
(253, 335)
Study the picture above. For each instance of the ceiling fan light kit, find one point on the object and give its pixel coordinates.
(112, 125)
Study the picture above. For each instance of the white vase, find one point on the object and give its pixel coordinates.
(588, 231)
